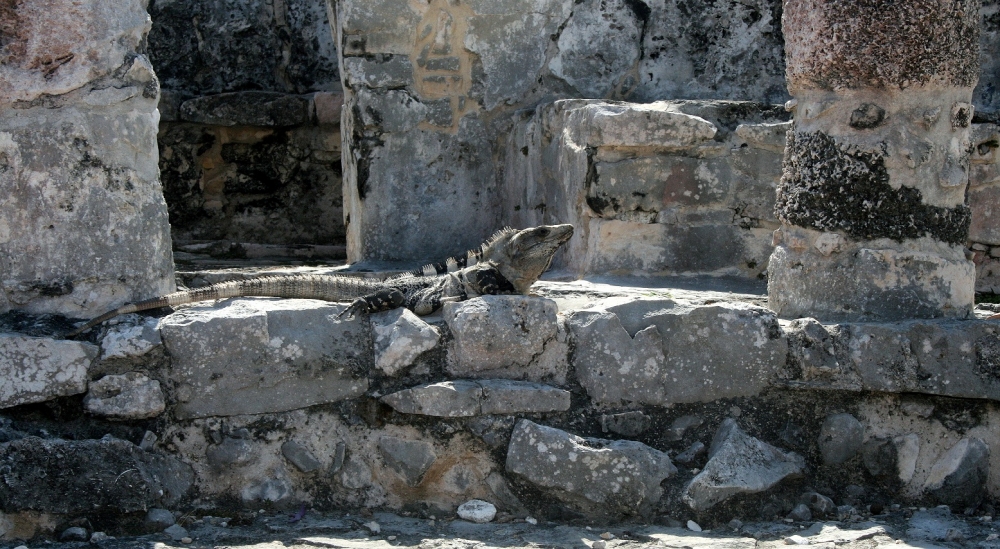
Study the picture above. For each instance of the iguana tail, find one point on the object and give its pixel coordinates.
(324, 287)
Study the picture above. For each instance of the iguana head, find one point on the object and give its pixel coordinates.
(522, 256)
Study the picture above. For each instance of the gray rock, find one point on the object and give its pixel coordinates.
(654, 352)
(410, 459)
(513, 334)
(460, 398)
(880, 458)
(937, 524)
(387, 26)
(820, 505)
(37, 369)
(400, 336)
(695, 451)
(158, 519)
(74, 533)
(131, 339)
(590, 58)
(466, 398)
(268, 490)
(355, 475)
(339, 453)
(811, 349)
(252, 356)
(800, 513)
(627, 424)
(958, 478)
(127, 396)
(300, 456)
(477, 510)
(680, 425)
(231, 451)
(176, 532)
(840, 438)
(739, 464)
(247, 108)
(70, 477)
(501, 396)
(600, 477)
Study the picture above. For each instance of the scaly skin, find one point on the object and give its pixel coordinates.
(509, 263)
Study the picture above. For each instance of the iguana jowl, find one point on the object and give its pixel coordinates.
(509, 263)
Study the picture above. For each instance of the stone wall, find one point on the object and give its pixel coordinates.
(83, 225)
(249, 135)
(433, 89)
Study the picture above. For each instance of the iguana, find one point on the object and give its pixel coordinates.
(508, 263)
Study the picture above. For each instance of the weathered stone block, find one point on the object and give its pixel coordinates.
(382, 26)
(128, 396)
(591, 59)
(400, 336)
(516, 334)
(985, 205)
(958, 478)
(739, 464)
(869, 281)
(601, 477)
(740, 346)
(36, 369)
(464, 398)
(654, 183)
(380, 71)
(253, 356)
(131, 338)
(501, 396)
(409, 458)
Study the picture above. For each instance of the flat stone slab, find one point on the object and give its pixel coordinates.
(36, 369)
(467, 398)
(254, 356)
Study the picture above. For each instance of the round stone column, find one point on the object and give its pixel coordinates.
(872, 198)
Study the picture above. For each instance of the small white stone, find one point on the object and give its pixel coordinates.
(693, 526)
(391, 538)
(373, 527)
(186, 540)
(796, 540)
(531, 520)
(477, 510)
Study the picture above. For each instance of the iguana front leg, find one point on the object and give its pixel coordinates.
(382, 300)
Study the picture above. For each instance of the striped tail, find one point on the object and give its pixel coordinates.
(323, 287)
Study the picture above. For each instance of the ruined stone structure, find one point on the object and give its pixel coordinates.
(656, 127)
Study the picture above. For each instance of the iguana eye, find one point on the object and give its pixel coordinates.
(543, 232)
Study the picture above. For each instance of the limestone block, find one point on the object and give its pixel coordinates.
(400, 337)
(658, 124)
(591, 59)
(101, 33)
(465, 398)
(253, 356)
(248, 108)
(458, 398)
(36, 369)
(510, 40)
(985, 205)
(133, 337)
(600, 477)
(868, 281)
(651, 184)
(501, 396)
(92, 233)
(409, 458)
(127, 396)
(68, 477)
(959, 476)
(514, 334)
(739, 464)
(768, 136)
(656, 352)
(938, 357)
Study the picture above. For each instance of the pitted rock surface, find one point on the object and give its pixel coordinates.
(600, 476)
(36, 369)
(400, 337)
(128, 396)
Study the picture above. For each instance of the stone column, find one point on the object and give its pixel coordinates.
(83, 224)
(872, 198)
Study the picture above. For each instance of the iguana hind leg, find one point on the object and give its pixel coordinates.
(382, 300)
